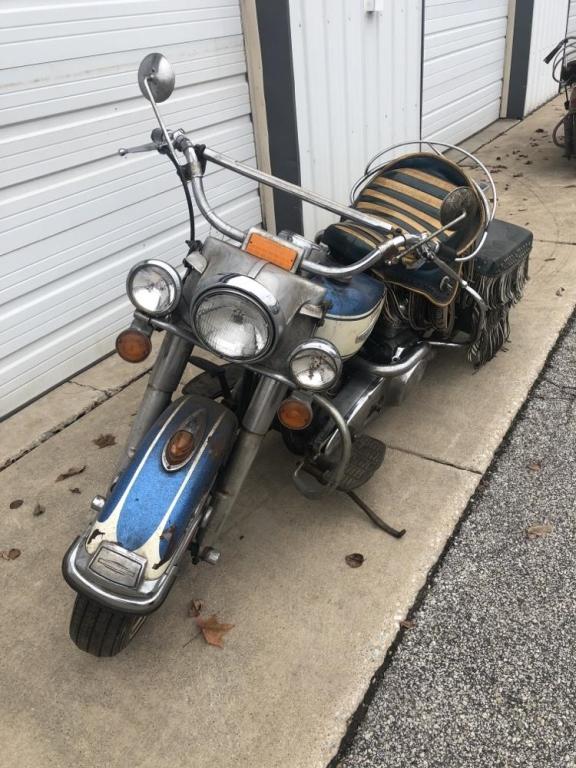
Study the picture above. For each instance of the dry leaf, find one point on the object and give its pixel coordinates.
(38, 510)
(75, 490)
(539, 530)
(535, 466)
(195, 608)
(104, 441)
(560, 291)
(408, 623)
(70, 473)
(354, 560)
(10, 554)
(213, 630)
(16, 503)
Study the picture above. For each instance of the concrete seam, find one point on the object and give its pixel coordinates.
(107, 395)
(436, 461)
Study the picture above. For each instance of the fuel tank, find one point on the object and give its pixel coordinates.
(353, 308)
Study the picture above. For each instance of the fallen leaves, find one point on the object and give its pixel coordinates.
(70, 473)
(538, 531)
(38, 510)
(195, 608)
(103, 441)
(74, 490)
(10, 554)
(560, 291)
(354, 560)
(16, 503)
(535, 466)
(213, 630)
(407, 623)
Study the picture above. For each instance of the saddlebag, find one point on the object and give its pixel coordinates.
(498, 272)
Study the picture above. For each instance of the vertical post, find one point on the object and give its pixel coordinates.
(258, 105)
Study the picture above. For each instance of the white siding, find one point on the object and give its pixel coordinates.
(74, 215)
(548, 28)
(357, 84)
(571, 30)
(464, 49)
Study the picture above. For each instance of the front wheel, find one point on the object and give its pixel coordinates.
(99, 630)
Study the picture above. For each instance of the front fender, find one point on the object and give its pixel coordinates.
(152, 512)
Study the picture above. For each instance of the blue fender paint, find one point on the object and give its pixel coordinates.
(150, 507)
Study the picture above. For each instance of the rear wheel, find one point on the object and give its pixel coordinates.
(99, 630)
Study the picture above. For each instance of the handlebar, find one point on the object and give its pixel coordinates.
(181, 142)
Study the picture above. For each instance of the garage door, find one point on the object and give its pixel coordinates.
(74, 216)
(464, 47)
(572, 18)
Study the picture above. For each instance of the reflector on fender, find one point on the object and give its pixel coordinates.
(178, 449)
(133, 346)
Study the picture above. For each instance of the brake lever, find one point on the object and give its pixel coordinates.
(140, 148)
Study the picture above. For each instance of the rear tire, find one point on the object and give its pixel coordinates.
(99, 630)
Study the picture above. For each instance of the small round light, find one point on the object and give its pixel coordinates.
(295, 414)
(315, 364)
(154, 287)
(233, 325)
(178, 449)
(133, 346)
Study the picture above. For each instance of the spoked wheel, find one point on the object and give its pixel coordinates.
(99, 630)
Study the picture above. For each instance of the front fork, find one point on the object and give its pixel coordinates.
(164, 379)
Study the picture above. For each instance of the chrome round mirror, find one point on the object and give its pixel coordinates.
(156, 72)
(460, 200)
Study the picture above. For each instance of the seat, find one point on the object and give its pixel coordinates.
(407, 193)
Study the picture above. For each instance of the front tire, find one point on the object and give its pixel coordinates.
(99, 630)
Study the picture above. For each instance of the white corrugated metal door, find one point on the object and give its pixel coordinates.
(548, 28)
(74, 215)
(464, 49)
(357, 89)
(571, 29)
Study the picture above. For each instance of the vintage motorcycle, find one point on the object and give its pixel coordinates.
(564, 73)
(314, 339)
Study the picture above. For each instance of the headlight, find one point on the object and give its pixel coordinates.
(315, 364)
(234, 320)
(154, 287)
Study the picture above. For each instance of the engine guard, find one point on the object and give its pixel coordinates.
(128, 557)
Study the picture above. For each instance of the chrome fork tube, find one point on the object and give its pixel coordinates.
(255, 425)
(164, 378)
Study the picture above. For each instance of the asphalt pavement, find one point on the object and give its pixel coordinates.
(486, 675)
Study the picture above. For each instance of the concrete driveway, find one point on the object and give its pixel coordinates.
(309, 631)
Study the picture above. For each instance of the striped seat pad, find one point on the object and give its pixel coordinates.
(408, 194)
(406, 198)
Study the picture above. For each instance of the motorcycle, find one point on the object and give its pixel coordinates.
(311, 338)
(564, 73)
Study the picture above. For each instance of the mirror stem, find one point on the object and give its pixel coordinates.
(163, 128)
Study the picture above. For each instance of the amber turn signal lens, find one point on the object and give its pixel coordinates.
(179, 448)
(295, 414)
(133, 346)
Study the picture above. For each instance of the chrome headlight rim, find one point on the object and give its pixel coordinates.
(173, 276)
(259, 297)
(315, 346)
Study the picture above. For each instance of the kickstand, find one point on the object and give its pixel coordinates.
(376, 519)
